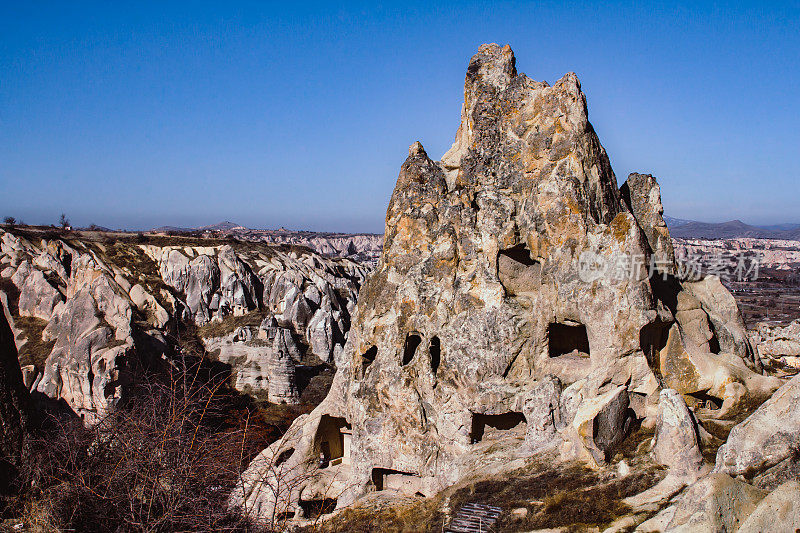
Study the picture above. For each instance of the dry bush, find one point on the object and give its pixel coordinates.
(165, 461)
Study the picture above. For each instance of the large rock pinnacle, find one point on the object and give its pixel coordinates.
(480, 336)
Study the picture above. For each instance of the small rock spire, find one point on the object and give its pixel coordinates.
(493, 65)
(416, 149)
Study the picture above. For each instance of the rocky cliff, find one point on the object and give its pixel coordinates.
(99, 310)
(512, 313)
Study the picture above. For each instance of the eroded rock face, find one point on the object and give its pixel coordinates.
(723, 313)
(105, 306)
(676, 443)
(261, 365)
(778, 512)
(779, 342)
(642, 196)
(723, 380)
(764, 447)
(715, 503)
(312, 295)
(92, 333)
(485, 298)
(38, 298)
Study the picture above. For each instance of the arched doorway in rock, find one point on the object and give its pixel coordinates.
(332, 441)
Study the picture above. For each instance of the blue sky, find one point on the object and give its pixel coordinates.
(141, 115)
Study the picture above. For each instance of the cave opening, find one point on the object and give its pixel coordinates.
(704, 400)
(315, 508)
(567, 339)
(483, 425)
(367, 358)
(284, 456)
(332, 441)
(519, 254)
(436, 354)
(713, 342)
(517, 271)
(413, 340)
(388, 479)
(652, 339)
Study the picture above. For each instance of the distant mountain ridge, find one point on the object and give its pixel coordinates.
(733, 229)
(222, 226)
(675, 222)
(679, 228)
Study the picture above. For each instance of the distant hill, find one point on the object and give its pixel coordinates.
(222, 226)
(734, 229)
(675, 222)
(782, 227)
(171, 229)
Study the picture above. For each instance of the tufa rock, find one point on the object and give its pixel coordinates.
(498, 285)
(715, 503)
(764, 447)
(479, 298)
(676, 443)
(642, 196)
(38, 298)
(779, 512)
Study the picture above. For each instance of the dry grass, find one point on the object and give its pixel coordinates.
(229, 324)
(556, 496)
(35, 350)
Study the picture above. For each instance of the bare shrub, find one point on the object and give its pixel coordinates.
(165, 461)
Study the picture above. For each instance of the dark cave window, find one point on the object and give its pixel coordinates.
(367, 358)
(436, 354)
(502, 422)
(413, 341)
(566, 339)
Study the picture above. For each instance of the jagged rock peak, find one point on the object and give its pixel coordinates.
(516, 133)
(493, 65)
(416, 149)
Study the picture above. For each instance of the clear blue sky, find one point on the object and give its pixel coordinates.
(301, 114)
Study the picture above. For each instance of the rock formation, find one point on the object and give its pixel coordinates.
(512, 305)
(715, 503)
(677, 443)
(105, 305)
(312, 295)
(778, 512)
(764, 448)
(779, 342)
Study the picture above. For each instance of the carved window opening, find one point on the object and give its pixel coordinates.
(403, 482)
(367, 358)
(413, 341)
(332, 441)
(517, 271)
(315, 508)
(567, 339)
(436, 354)
(483, 424)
